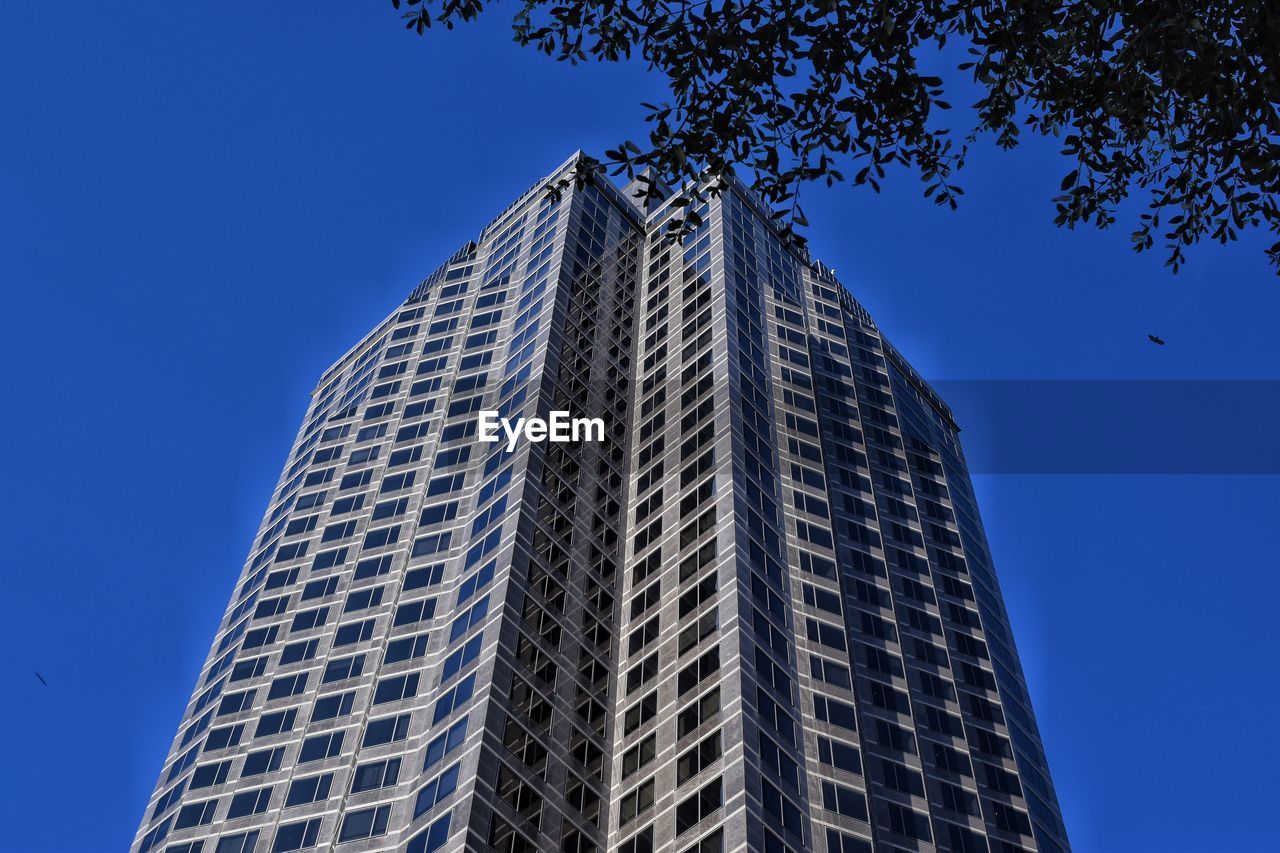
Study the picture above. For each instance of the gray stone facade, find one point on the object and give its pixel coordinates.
(759, 615)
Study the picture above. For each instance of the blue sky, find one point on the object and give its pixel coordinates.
(203, 206)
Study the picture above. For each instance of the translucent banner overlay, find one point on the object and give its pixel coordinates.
(1117, 426)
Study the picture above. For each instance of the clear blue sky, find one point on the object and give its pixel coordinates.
(202, 206)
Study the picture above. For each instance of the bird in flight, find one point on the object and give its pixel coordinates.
(42, 681)
(1158, 341)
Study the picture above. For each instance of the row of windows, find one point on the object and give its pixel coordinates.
(392, 688)
(568, 600)
(885, 447)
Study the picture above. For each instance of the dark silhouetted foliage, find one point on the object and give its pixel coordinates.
(1175, 100)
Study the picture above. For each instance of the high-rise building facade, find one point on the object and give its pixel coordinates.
(757, 613)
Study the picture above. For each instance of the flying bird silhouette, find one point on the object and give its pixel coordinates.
(41, 677)
(1158, 341)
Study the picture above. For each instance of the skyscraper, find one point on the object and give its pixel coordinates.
(757, 613)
